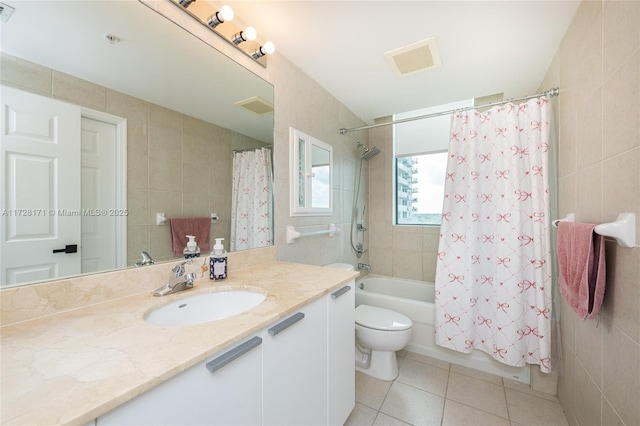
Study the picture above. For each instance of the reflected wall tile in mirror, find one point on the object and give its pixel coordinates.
(195, 152)
(138, 207)
(137, 171)
(160, 242)
(137, 241)
(78, 91)
(169, 203)
(136, 111)
(195, 203)
(26, 75)
(166, 175)
(196, 179)
(221, 204)
(221, 176)
(165, 143)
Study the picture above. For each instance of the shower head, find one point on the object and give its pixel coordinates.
(369, 153)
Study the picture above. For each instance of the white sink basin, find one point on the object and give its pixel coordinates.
(205, 307)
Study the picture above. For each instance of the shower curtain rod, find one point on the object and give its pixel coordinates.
(549, 93)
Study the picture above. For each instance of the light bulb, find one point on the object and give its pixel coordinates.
(224, 14)
(227, 13)
(269, 48)
(249, 33)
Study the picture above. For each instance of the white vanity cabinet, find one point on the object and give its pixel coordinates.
(341, 343)
(225, 390)
(295, 368)
(297, 371)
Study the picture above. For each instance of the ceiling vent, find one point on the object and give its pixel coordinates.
(256, 105)
(5, 12)
(414, 58)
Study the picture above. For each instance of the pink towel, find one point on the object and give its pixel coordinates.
(183, 226)
(582, 267)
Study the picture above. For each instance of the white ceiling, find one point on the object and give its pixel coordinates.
(486, 47)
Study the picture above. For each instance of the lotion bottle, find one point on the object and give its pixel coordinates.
(218, 261)
(191, 250)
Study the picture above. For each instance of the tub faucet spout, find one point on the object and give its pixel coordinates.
(364, 266)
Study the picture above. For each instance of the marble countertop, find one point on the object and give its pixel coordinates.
(71, 367)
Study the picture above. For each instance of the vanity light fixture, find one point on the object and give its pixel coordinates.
(247, 34)
(267, 49)
(237, 33)
(224, 14)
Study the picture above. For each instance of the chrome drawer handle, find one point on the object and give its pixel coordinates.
(233, 354)
(286, 323)
(340, 292)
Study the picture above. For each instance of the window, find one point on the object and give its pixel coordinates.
(420, 149)
(420, 188)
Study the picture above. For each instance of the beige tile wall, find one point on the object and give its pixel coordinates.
(408, 252)
(302, 103)
(176, 164)
(597, 68)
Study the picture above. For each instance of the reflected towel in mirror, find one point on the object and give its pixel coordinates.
(183, 226)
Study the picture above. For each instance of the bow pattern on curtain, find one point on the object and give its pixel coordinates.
(493, 279)
(251, 200)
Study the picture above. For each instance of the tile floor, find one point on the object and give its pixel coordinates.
(432, 392)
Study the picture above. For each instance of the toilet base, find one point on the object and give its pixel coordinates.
(382, 365)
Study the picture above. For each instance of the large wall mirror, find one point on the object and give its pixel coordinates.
(187, 110)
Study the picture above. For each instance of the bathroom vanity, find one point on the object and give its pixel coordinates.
(289, 360)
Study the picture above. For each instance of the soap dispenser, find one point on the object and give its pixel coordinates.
(218, 261)
(191, 250)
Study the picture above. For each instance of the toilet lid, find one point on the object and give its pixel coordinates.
(381, 319)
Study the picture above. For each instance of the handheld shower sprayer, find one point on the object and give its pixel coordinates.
(360, 225)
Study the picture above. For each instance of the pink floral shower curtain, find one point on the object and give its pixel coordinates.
(493, 279)
(251, 200)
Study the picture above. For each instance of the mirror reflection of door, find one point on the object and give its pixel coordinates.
(47, 208)
(98, 175)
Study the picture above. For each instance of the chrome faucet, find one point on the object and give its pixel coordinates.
(146, 260)
(364, 266)
(179, 282)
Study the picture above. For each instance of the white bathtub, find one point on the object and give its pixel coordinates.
(415, 300)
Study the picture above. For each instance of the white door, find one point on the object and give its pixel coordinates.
(40, 190)
(98, 196)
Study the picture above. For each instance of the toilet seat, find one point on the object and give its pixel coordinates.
(381, 319)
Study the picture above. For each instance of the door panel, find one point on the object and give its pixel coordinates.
(98, 195)
(40, 191)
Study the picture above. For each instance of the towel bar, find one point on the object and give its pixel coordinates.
(292, 234)
(623, 229)
(161, 218)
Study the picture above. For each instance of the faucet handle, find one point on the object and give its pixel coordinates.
(178, 270)
(189, 279)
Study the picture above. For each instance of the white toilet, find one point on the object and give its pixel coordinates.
(379, 334)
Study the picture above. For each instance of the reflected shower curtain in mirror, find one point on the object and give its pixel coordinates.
(493, 276)
(252, 200)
